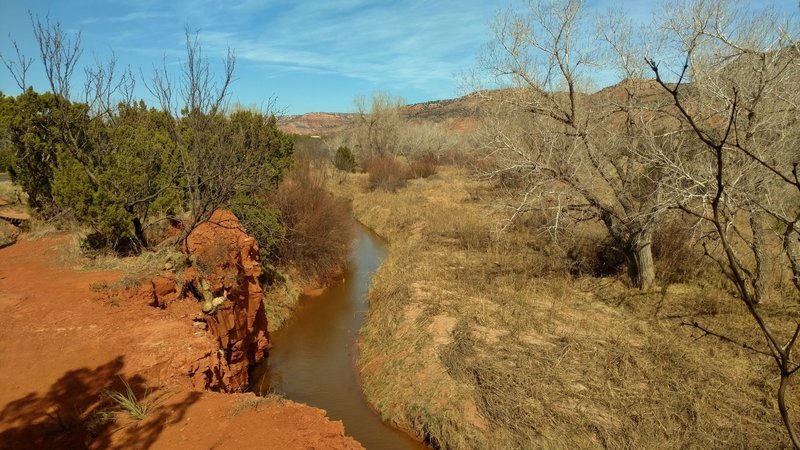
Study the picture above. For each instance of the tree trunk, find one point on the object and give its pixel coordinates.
(138, 230)
(761, 278)
(638, 250)
(639, 256)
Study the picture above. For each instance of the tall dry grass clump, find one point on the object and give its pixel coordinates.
(386, 173)
(319, 228)
(423, 166)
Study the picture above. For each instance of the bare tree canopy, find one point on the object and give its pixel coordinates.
(574, 154)
(738, 97)
(713, 135)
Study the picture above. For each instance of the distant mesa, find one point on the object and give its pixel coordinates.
(458, 114)
(316, 123)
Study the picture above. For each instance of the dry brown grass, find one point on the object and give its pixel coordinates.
(281, 297)
(423, 166)
(480, 342)
(252, 402)
(135, 269)
(12, 192)
(386, 173)
(319, 228)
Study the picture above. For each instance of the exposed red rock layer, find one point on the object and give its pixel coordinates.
(316, 123)
(227, 259)
(66, 343)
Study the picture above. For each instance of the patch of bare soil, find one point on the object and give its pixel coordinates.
(63, 344)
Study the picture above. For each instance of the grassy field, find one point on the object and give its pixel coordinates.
(480, 340)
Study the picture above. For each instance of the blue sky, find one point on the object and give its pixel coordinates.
(312, 55)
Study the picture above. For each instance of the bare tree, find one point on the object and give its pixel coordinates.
(377, 124)
(572, 154)
(219, 154)
(738, 95)
(59, 53)
(196, 105)
(18, 68)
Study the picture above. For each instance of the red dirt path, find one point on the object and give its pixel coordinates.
(62, 344)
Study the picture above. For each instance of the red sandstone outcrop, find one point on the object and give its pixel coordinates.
(90, 340)
(226, 268)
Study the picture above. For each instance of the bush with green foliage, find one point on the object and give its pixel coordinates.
(261, 221)
(127, 170)
(344, 159)
(31, 141)
(118, 166)
(118, 172)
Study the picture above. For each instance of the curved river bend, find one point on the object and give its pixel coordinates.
(312, 359)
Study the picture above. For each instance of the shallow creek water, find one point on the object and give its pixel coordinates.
(312, 359)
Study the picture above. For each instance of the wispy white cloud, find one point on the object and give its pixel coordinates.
(130, 17)
(416, 43)
(413, 48)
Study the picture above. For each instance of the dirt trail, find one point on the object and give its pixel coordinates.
(62, 344)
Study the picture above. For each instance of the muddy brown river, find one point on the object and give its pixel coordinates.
(312, 359)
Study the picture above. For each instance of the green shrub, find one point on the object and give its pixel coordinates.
(262, 222)
(31, 138)
(344, 159)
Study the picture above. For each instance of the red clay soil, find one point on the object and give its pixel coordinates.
(62, 344)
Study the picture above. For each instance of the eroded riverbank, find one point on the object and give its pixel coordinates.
(313, 356)
(64, 344)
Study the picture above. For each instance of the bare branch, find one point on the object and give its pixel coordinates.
(18, 68)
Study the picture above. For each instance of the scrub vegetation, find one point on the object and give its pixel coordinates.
(135, 178)
(569, 267)
(616, 268)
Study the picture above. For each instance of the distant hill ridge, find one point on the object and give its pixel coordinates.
(457, 113)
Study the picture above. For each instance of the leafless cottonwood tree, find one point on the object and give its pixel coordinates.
(378, 123)
(383, 127)
(736, 90)
(572, 154)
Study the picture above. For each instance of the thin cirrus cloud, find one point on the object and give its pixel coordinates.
(125, 18)
(310, 50)
(414, 43)
(394, 46)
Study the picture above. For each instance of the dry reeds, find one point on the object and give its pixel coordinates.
(319, 228)
(386, 173)
(475, 341)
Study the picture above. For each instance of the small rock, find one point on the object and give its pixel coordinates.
(8, 233)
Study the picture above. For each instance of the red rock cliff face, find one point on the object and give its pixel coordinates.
(226, 268)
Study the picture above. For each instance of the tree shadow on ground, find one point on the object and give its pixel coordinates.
(74, 413)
